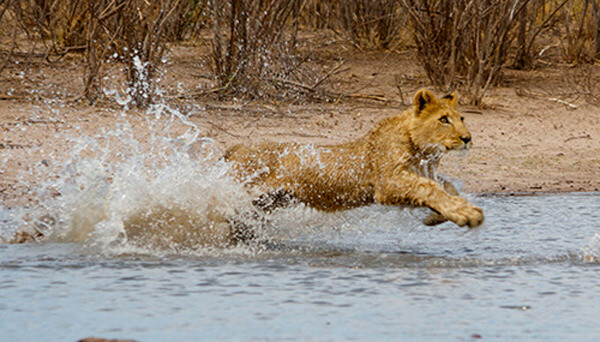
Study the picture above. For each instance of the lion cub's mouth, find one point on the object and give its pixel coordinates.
(461, 146)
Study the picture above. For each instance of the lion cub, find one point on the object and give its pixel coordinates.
(394, 164)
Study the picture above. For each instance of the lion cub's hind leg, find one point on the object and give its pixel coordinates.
(245, 230)
(242, 232)
(270, 201)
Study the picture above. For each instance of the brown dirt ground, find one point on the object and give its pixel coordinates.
(539, 131)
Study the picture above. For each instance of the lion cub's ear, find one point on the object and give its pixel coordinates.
(452, 98)
(424, 98)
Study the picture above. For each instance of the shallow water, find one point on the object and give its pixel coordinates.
(531, 272)
(375, 273)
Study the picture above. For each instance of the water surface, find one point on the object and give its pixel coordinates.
(375, 273)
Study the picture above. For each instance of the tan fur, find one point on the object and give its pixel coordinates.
(394, 164)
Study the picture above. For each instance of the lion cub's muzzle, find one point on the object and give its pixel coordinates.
(466, 140)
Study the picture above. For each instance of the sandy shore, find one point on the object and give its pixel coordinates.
(522, 145)
(539, 131)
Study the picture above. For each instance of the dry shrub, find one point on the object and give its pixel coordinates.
(373, 24)
(99, 39)
(536, 17)
(461, 43)
(143, 42)
(137, 32)
(254, 47)
(595, 24)
(188, 18)
(366, 24)
(319, 14)
(464, 42)
(3, 7)
(581, 41)
(5, 56)
(583, 81)
(59, 23)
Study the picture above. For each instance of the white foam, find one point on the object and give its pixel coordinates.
(591, 253)
(115, 192)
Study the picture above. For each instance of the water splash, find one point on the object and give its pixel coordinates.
(591, 253)
(114, 191)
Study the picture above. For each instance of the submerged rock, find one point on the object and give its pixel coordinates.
(99, 339)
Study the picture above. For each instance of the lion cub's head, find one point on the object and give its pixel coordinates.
(435, 125)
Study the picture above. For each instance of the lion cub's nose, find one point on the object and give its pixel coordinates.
(466, 140)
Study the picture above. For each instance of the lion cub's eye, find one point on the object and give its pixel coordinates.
(462, 118)
(444, 120)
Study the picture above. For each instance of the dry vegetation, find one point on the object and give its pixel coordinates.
(255, 51)
(254, 45)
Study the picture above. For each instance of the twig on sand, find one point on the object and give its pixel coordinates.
(11, 146)
(300, 134)
(473, 111)
(586, 136)
(195, 94)
(328, 75)
(223, 129)
(293, 83)
(568, 104)
(368, 97)
(10, 97)
(399, 86)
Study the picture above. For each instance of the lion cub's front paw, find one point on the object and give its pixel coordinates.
(466, 214)
(434, 219)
